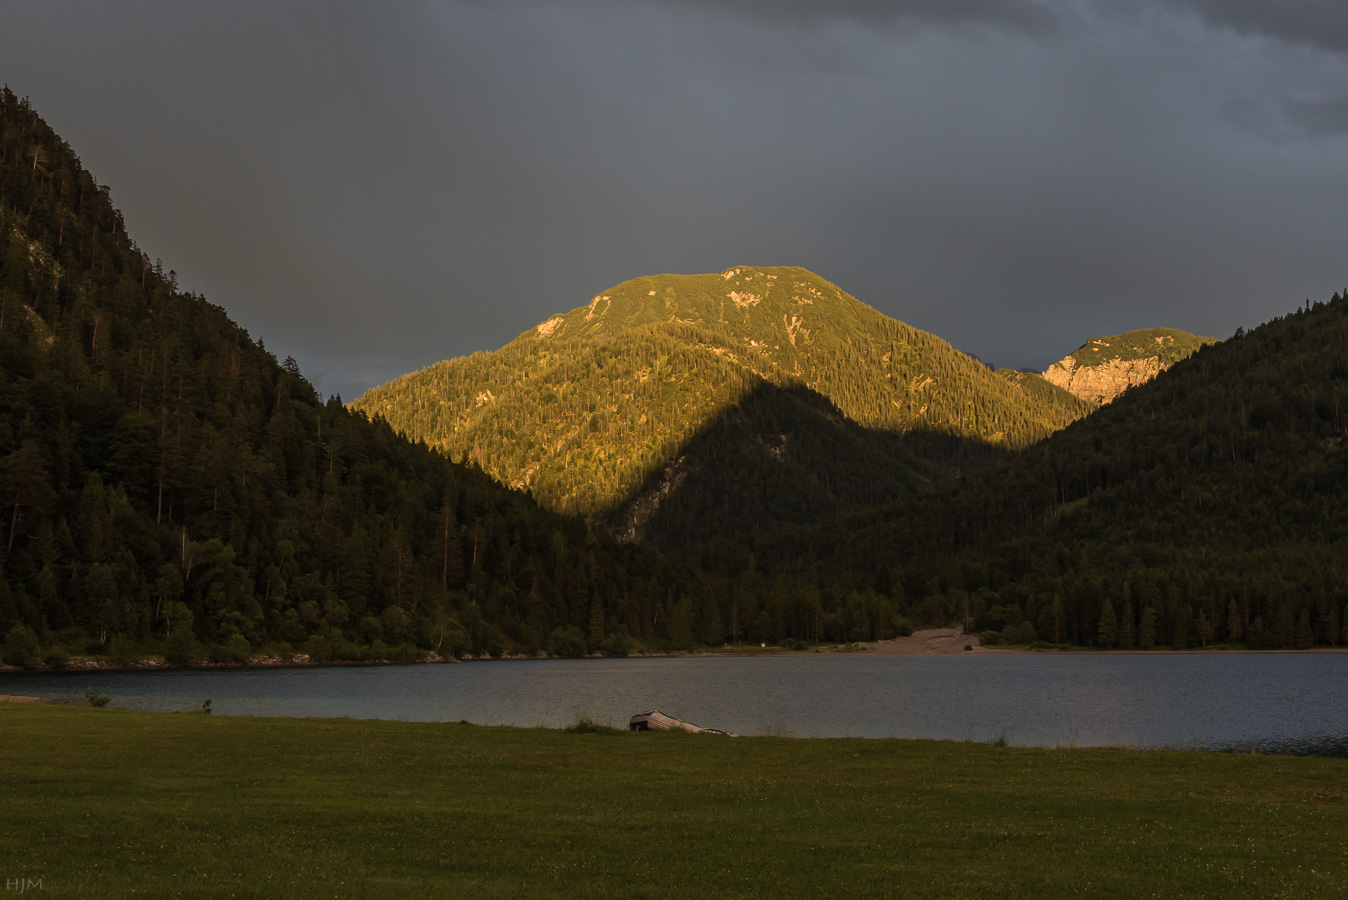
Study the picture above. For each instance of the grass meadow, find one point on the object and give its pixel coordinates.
(112, 803)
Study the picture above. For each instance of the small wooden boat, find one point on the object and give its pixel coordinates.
(658, 721)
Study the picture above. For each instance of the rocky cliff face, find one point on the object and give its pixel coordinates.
(1102, 382)
(1103, 368)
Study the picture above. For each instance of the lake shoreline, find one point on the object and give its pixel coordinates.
(927, 642)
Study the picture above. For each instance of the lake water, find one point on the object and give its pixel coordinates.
(1288, 703)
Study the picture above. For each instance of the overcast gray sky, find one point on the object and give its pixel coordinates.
(374, 187)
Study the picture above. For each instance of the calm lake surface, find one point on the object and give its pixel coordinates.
(1288, 703)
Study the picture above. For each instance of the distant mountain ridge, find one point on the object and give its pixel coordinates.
(1104, 367)
(589, 406)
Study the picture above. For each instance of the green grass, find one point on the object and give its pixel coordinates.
(112, 803)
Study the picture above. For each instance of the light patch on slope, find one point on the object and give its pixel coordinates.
(589, 314)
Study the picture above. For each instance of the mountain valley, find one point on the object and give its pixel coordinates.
(682, 461)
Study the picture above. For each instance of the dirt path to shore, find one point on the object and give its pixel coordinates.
(931, 642)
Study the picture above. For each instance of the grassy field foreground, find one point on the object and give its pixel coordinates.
(112, 803)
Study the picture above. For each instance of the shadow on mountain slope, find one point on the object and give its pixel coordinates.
(784, 455)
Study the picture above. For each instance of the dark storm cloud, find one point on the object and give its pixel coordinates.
(1022, 14)
(375, 188)
(1322, 23)
(1319, 118)
(1293, 120)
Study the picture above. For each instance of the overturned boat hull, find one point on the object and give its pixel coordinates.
(655, 720)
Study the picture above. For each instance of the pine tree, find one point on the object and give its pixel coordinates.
(1284, 634)
(1202, 628)
(1330, 624)
(1127, 633)
(1235, 623)
(1179, 631)
(596, 622)
(1108, 632)
(1146, 631)
(451, 552)
(23, 479)
(1303, 638)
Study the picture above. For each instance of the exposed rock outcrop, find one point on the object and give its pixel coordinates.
(1103, 382)
(1104, 367)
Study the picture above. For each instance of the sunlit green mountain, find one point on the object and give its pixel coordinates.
(592, 410)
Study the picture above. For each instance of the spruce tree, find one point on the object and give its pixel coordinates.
(1330, 624)
(1202, 628)
(1235, 623)
(1108, 632)
(1146, 631)
(1303, 638)
(1127, 632)
(1284, 634)
(1180, 630)
(596, 622)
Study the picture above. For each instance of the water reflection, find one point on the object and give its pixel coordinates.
(1265, 703)
(1335, 746)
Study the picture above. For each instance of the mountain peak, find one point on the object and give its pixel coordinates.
(761, 307)
(1104, 367)
(589, 407)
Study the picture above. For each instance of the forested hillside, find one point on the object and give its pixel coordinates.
(1168, 345)
(594, 409)
(167, 485)
(1210, 504)
(779, 454)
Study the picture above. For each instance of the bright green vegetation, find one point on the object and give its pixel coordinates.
(1207, 506)
(597, 410)
(1034, 385)
(1169, 345)
(108, 803)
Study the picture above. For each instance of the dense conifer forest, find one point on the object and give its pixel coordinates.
(169, 487)
(1207, 506)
